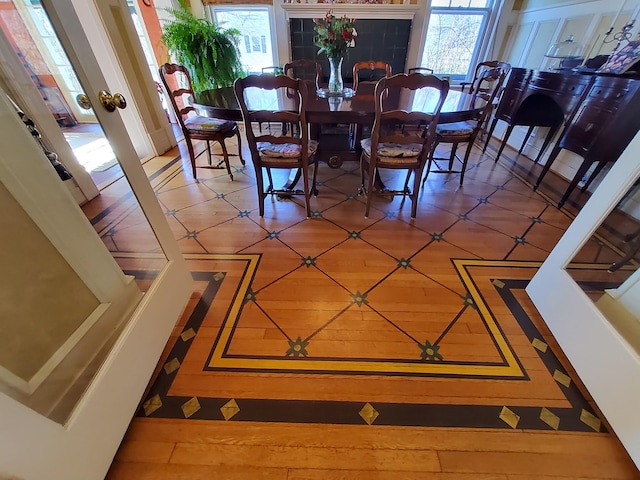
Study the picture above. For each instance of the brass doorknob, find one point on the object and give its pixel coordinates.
(111, 102)
(83, 101)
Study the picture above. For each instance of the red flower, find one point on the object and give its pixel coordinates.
(334, 35)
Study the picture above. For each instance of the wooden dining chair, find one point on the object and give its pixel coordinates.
(472, 86)
(372, 70)
(273, 70)
(177, 83)
(308, 70)
(456, 133)
(481, 67)
(389, 146)
(269, 151)
(422, 70)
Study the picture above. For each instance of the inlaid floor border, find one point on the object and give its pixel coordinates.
(509, 368)
(579, 417)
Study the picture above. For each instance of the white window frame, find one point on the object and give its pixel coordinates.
(211, 15)
(489, 13)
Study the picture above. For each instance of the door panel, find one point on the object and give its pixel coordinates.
(44, 61)
(603, 356)
(81, 443)
(116, 17)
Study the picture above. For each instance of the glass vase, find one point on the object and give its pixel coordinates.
(336, 85)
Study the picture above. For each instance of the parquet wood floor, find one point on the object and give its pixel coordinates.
(339, 347)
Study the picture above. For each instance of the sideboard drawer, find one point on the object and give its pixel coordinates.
(585, 128)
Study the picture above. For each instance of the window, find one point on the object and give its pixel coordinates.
(454, 35)
(256, 44)
(254, 24)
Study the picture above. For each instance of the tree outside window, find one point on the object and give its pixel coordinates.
(254, 24)
(455, 30)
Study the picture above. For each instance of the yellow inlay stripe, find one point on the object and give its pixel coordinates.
(511, 369)
(501, 342)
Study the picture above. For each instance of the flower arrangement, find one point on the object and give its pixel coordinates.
(334, 35)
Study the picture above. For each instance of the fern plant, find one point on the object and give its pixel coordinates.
(209, 52)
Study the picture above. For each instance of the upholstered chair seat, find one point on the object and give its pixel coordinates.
(284, 151)
(394, 152)
(457, 128)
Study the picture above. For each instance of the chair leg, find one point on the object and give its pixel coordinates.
(261, 194)
(305, 183)
(270, 189)
(208, 143)
(466, 160)
(429, 161)
(315, 174)
(485, 124)
(192, 156)
(406, 180)
(225, 156)
(452, 156)
(489, 134)
(369, 190)
(372, 174)
(240, 147)
(361, 190)
(414, 193)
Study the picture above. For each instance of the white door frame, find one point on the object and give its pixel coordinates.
(153, 132)
(605, 361)
(18, 84)
(35, 447)
(123, 64)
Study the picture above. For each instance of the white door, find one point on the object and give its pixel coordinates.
(606, 359)
(43, 73)
(38, 443)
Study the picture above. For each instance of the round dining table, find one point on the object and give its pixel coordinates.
(357, 110)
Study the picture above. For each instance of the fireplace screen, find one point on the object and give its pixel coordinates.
(385, 40)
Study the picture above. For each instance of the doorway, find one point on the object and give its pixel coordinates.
(33, 39)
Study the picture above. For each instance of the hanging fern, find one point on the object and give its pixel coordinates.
(209, 52)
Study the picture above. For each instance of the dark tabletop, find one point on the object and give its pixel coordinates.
(222, 103)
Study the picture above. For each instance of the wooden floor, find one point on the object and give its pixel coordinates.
(339, 347)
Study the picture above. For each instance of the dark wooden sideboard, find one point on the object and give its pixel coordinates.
(538, 99)
(601, 115)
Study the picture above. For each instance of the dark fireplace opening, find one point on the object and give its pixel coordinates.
(384, 40)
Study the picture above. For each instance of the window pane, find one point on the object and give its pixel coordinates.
(460, 3)
(253, 24)
(451, 42)
(256, 44)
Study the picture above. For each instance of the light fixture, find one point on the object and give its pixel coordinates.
(561, 51)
